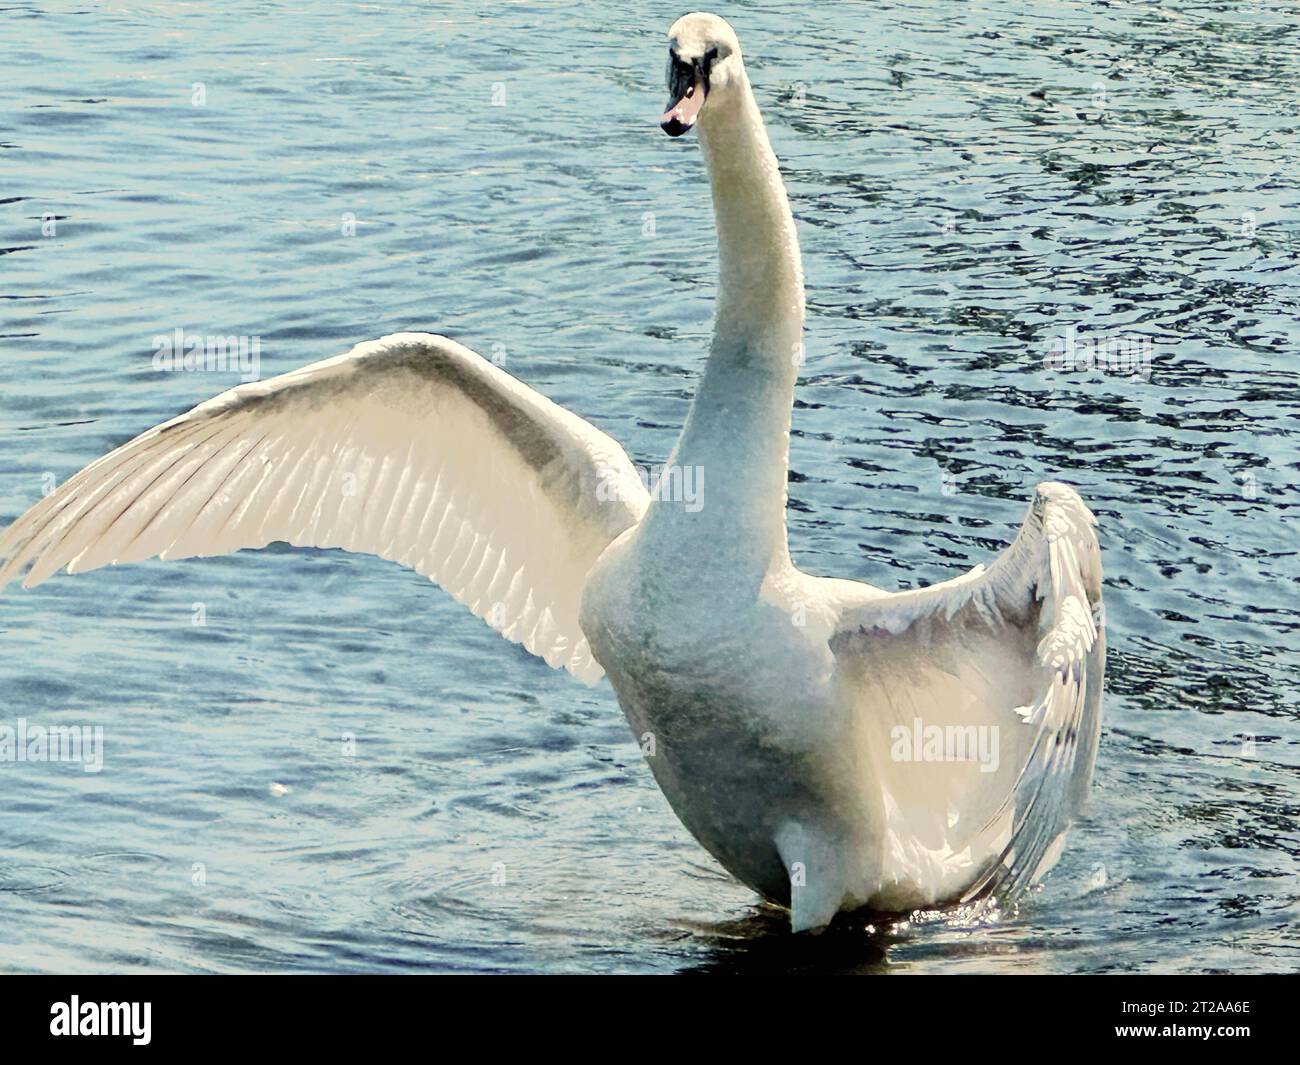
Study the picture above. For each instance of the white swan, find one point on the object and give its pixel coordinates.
(806, 730)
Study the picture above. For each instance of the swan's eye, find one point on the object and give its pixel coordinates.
(709, 58)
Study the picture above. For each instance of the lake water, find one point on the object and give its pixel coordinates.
(973, 181)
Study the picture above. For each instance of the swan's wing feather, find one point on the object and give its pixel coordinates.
(1018, 648)
(412, 448)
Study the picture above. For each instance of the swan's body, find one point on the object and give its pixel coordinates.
(788, 718)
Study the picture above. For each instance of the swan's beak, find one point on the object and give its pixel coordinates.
(687, 88)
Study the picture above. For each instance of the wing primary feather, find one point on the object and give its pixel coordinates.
(462, 473)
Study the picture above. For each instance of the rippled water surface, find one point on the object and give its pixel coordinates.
(971, 180)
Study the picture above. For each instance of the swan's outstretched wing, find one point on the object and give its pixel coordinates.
(412, 448)
(979, 703)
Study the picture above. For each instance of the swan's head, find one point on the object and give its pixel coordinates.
(703, 59)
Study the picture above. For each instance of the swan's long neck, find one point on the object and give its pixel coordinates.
(737, 433)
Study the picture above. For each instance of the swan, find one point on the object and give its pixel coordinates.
(835, 746)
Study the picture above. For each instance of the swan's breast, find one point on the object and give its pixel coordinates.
(730, 701)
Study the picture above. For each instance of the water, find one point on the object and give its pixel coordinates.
(953, 224)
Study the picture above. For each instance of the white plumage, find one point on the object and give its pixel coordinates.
(412, 448)
(794, 717)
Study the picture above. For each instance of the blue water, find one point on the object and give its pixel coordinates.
(971, 180)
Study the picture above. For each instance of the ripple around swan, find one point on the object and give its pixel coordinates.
(971, 182)
(16, 876)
